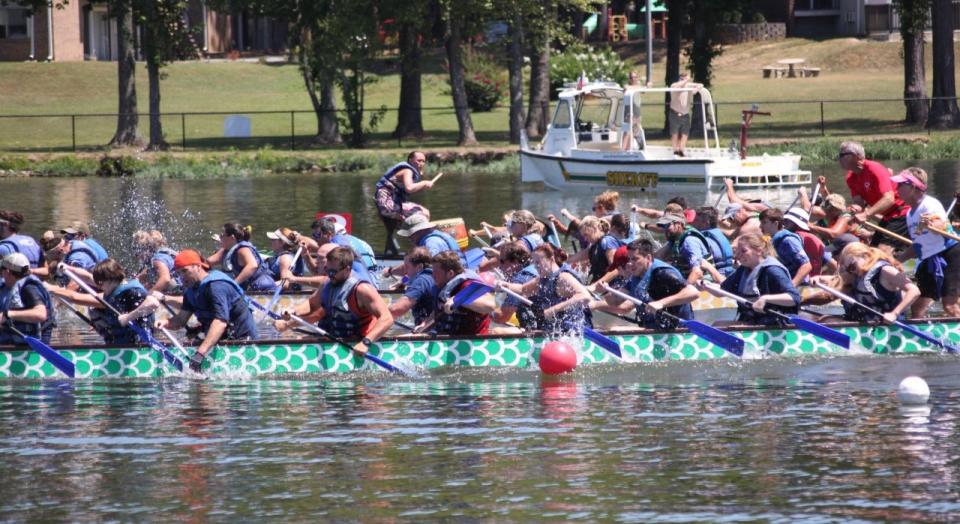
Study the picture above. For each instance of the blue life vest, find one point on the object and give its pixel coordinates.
(531, 240)
(361, 249)
(27, 246)
(721, 250)
(749, 287)
(571, 320)
(11, 299)
(387, 181)
(165, 256)
(260, 280)
(869, 292)
(451, 242)
(461, 321)
(640, 289)
(241, 324)
(526, 315)
(792, 264)
(97, 249)
(81, 253)
(678, 259)
(339, 319)
(273, 265)
(122, 300)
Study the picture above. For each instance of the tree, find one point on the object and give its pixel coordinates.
(128, 118)
(913, 20)
(943, 109)
(515, 68)
(412, 25)
(540, 23)
(456, 16)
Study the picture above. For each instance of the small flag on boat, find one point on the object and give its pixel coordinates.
(582, 80)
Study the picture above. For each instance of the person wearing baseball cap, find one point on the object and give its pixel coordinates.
(938, 267)
(24, 302)
(80, 231)
(216, 300)
(685, 248)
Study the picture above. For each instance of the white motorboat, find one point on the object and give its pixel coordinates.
(597, 141)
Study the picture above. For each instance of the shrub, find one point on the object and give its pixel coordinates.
(482, 80)
(598, 64)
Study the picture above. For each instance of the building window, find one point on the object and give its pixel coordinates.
(815, 5)
(13, 22)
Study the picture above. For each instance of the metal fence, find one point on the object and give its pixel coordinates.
(296, 129)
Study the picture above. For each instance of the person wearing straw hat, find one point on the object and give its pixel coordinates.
(24, 302)
(938, 267)
(216, 300)
(424, 233)
(282, 265)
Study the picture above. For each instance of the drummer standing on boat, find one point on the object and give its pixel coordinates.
(393, 188)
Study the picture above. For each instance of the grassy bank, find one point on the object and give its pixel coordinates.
(477, 161)
(802, 108)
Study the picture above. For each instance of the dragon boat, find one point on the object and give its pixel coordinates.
(298, 357)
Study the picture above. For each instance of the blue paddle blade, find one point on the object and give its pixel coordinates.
(821, 331)
(715, 336)
(474, 257)
(274, 299)
(258, 306)
(603, 341)
(157, 345)
(388, 366)
(59, 361)
(472, 291)
(926, 336)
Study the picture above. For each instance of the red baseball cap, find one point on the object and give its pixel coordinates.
(189, 257)
(620, 258)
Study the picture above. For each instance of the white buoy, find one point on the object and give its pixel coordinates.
(913, 390)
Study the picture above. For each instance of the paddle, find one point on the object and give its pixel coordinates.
(48, 353)
(887, 232)
(376, 360)
(719, 198)
(555, 237)
(944, 233)
(949, 348)
(953, 203)
(474, 257)
(437, 177)
(143, 334)
(276, 294)
(816, 193)
(817, 330)
(599, 339)
(470, 293)
(728, 342)
(482, 242)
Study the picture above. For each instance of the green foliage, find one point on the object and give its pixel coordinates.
(483, 80)
(118, 166)
(913, 16)
(598, 64)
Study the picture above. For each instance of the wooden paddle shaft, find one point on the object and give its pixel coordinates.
(887, 232)
(944, 233)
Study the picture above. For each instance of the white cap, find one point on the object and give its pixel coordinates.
(16, 262)
(278, 235)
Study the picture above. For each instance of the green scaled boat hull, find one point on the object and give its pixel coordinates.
(299, 357)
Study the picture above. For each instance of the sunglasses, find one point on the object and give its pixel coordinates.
(69, 236)
(333, 272)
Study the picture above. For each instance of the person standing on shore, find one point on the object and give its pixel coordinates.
(393, 188)
(679, 116)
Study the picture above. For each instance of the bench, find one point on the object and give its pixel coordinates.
(774, 72)
(809, 71)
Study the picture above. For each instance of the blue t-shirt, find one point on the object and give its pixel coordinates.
(693, 251)
(228, 305)
(421, 290)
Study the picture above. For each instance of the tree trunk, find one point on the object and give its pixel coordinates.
(674, 44)
(157, 142)
(515, 68)
(328, 129)
(943, 113)
(127, 119)
(914, 78)
(409, 114)
(539, 91)
(455, 61)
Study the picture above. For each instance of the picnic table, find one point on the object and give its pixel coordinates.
(791, 63)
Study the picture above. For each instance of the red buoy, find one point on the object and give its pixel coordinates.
(557, 357)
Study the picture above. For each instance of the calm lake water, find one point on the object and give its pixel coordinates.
(770, 440)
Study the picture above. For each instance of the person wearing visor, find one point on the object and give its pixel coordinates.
(685, 248)
(216, 300)
(346, 306)
(282, 265)
(938, 266)
(24, 302)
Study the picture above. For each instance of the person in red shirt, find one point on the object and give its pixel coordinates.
(871, 188)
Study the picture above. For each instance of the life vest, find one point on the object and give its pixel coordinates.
(571, 320)
(598, 258)
(869, 292)
(125, 298)
(273, 266)
(342, 317)
(81, 248)
(678, 259)
(260, 280)
(97, 248)
(11, 299)
(749, 288)
(531, 240)
(526, 315)
(639, 287)
(164, 255)
(449, 240)
(361, 249)
(815, 258)
(387, 180)
(27, 246)
(720, 249)
(461, 321)
(241, 324)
